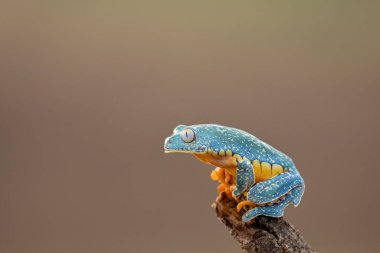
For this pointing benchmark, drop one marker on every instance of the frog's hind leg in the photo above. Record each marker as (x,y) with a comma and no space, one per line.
(275,210)
(276,187)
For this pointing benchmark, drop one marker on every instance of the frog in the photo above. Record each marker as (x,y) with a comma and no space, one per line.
(261,179)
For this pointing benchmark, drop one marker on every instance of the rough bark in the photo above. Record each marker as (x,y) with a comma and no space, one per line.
(263,234)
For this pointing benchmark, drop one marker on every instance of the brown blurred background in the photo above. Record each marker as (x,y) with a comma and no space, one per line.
(90,89)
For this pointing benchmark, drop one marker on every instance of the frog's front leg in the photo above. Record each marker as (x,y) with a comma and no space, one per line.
(245,177)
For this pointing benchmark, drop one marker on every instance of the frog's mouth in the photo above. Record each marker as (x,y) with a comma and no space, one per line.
(172,146)
(187,150)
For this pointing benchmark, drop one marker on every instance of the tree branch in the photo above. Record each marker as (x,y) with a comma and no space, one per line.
(263,234)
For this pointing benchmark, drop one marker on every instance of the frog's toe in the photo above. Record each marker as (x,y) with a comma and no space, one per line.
(272,189)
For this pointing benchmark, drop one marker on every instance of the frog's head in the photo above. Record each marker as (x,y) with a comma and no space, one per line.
(187,139)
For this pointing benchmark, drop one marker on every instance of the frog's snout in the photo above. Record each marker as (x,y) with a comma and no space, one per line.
(168,143)
(168,140)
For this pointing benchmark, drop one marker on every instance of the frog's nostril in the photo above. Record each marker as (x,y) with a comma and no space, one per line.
(168,141)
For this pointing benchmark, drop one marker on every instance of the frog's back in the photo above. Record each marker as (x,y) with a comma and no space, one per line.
(255,149)
(247,145)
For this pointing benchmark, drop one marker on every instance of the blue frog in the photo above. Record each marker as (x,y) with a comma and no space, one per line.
(261,179)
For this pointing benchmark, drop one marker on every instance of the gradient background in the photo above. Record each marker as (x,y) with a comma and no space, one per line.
(90,89)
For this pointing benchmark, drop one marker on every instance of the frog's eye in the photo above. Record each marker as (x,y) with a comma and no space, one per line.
(187,135)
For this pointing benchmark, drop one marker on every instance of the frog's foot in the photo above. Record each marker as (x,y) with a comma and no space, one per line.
(245,203)
(276,209)
(221,188)
(214,175)
(224,187)
(218,174)
(221,175)
(272,189)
